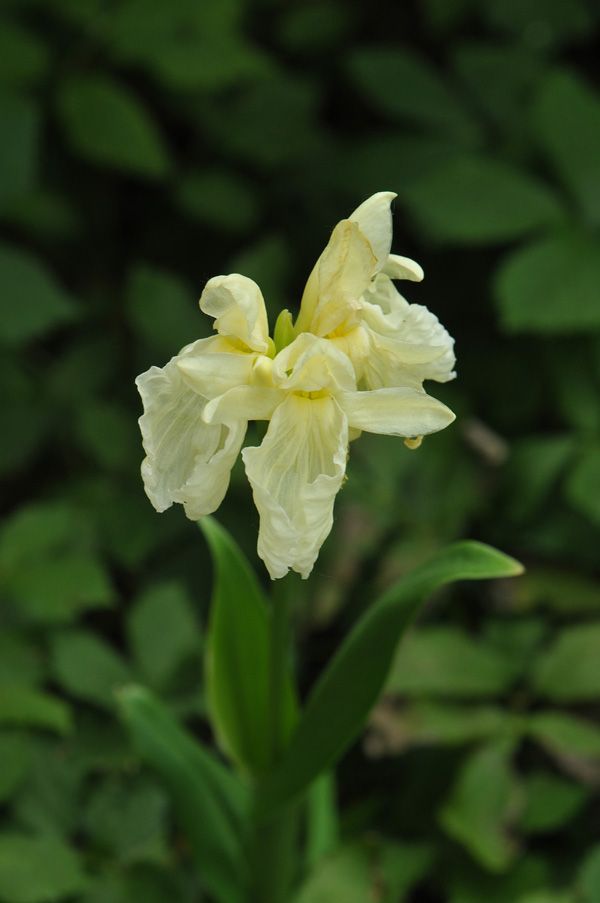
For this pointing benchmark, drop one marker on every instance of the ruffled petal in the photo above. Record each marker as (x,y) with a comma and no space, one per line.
(175,438)
(311,364)
(238,307)
(374,218)
(295,475)
(395,412)
(204,491)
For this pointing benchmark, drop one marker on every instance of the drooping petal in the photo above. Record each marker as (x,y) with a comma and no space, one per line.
(174,436)
(395,412)
(310,364)
(374,218)
(397,267)
(295,475)
(205,489)
(238,307)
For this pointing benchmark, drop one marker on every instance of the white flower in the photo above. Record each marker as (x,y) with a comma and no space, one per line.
(350,299)
(354,361)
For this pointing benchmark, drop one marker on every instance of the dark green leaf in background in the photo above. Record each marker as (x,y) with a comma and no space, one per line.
(568,670)
(14,754)
(583,483)
(567,114)
(477,200)
(551,287)
(164,310)
(33,302)
(19,144)
(402,85)
(107,124)
(543,23)
(163,632)
(550,802)
(483,804)
(22,705)
(88,667)
(38,869)
(219,199)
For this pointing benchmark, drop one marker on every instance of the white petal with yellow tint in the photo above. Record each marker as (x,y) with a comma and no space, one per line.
(205,489)
(397,267)
(346,267)
(395,412)
(295,475)
(243,402)
(311,364)
(174,436)
(213,374)
(238,307)
(374,219)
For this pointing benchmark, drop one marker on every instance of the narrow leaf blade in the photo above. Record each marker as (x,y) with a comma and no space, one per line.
(211,804)
(340,702)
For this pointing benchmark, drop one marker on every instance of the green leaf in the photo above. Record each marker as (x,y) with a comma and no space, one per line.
(107,124)
(238,656)
(219,198)
(211,804)
(88,668)
(474,200)
(14,755)
(343,696)
(402,85)
(551,286)
(344,875)
(550,802)
(322,828)
(19,143)
(546,23)
(482,806)
(565,735)
(56,590)
(33,303)
(163,309)
(38,869)
(445,661)
(21,705)
(588,879)
(23,57)
(567,117)
(130,821)
(568,671)
(50,800)
(163,631)
(583,483)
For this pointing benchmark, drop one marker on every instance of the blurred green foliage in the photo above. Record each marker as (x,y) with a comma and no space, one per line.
(145,147)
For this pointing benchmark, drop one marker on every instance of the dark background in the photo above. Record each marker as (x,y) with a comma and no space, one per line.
(146,146)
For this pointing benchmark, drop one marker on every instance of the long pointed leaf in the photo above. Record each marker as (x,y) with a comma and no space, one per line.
(343,696)
(211,804)
(238,655)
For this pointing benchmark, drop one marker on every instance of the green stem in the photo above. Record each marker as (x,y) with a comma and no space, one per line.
(273,856)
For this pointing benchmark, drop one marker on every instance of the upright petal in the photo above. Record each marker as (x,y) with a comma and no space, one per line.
(374,218)
(310,364)
(295,475)
(238,307)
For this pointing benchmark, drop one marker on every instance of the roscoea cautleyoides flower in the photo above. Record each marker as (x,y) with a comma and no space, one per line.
(315,390)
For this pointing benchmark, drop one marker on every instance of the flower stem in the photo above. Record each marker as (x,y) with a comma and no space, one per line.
(273,853)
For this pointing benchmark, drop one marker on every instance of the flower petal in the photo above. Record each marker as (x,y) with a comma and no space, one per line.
(395,412)
(176,440)
(374,218)
(295,475)
(238,306)
(212,374)
(397,267)
(311,364)
(205,490)
(243,402)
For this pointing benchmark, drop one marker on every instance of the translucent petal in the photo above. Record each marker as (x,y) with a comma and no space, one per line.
(245,403)
(374,218)
(175,439)
(205,489)
(395,412)
(346,267)
(237,304)
(295,475)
